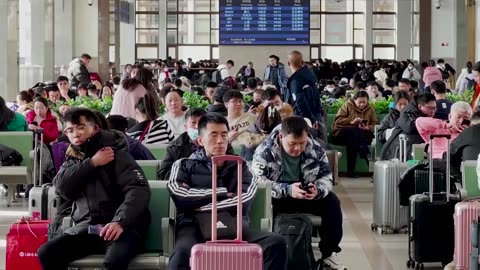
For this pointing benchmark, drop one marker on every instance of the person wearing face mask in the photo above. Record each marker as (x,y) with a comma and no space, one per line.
(94,165)
(381,74)
(411,73)
(353,127)
(185,144)
(423,106)
(163,75)
(402,99)
(328,89)
(459,119)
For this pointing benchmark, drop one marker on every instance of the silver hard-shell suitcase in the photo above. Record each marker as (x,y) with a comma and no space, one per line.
(387,212)
(42,200)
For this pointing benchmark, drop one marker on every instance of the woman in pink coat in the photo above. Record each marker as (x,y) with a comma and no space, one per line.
(431,74)
(426,126)
(130,91)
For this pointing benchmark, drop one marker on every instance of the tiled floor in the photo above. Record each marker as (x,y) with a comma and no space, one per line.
(361,248)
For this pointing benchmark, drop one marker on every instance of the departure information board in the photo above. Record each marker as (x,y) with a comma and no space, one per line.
(265,22)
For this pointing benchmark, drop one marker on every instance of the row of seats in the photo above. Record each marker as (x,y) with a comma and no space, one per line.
(161,234)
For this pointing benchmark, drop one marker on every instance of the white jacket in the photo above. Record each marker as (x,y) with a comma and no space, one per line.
(380,75)
(412,74)
(224,71)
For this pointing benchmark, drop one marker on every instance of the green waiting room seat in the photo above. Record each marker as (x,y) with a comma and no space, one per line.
(159,244)
(469,180)
(158,150)
(22,141)
(150,168)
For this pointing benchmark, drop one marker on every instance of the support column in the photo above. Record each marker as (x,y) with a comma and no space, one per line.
(64,33)
(42,50)
(104,40)
(472,7)
(404,29)
(49,59)
(368,54)
(462,39)
(162,24)
(117,36)
(425,31)
(8,49)
(127,37)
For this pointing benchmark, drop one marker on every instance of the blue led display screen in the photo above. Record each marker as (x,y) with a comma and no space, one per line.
(265,22)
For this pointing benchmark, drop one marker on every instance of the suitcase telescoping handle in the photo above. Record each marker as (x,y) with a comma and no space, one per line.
(403,147)
(215,161)
(37,167)
(430,170)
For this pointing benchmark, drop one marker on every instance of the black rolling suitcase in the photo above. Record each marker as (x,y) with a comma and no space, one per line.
(431,226)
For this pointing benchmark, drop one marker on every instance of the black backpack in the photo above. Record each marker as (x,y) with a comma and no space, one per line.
(297,229)
(10,156)
(470,84)
(217,76)
(445,74)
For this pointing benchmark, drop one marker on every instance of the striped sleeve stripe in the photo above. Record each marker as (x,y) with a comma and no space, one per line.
(232,202)
(178,190)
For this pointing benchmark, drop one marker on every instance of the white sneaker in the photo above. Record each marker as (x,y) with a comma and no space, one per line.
(450,266)
(333,262)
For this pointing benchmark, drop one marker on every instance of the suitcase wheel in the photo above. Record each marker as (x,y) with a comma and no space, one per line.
(410,264)
(373,227)
(419,266)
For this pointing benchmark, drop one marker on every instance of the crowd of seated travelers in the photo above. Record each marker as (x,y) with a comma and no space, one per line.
(282,131)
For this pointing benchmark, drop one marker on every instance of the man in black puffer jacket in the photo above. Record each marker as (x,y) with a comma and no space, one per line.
(185,145)
(110,194)
(190,187)
(466,146)
(425,106)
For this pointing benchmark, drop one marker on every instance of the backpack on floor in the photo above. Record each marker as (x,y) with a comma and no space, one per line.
(9,156)
(297,229)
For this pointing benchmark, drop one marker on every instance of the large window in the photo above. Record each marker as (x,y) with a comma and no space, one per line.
(146,29)
(337,29)
(384,30)
(192,29)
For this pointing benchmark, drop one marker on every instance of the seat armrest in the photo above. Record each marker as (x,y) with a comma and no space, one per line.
(66,223)
(266,225)
(462,193)
(168,235)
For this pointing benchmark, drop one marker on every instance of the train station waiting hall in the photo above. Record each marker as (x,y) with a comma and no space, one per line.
(239,134)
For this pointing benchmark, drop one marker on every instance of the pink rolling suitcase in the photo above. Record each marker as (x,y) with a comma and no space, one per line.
(226,254)
(465,213)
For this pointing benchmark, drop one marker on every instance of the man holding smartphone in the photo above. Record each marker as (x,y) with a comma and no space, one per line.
(302,181)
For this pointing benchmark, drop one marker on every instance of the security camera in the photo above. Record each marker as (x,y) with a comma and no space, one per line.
(438,4)
(90,2)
